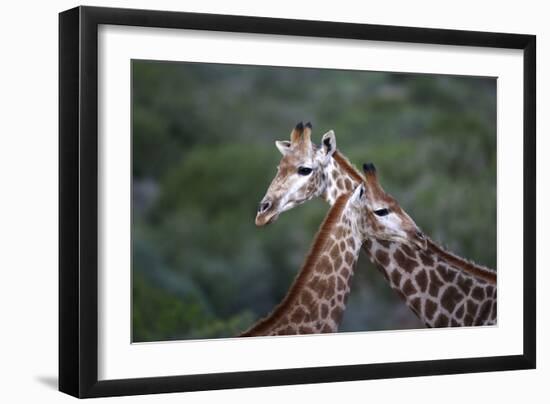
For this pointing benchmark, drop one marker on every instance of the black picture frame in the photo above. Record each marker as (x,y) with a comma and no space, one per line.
(78,200)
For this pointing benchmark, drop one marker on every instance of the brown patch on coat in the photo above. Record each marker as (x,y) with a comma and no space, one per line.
(430,308)
(408,288)
(403,261)
(336,314)
(341,284)
(306,297)
(450,298)
(345,273)
(484,312)
(331,289)
(334,252)
(298,315)
(396,277)
(471,308)
(382,257)
(441,321)
(446,273)
(426,259)
(478,293)
(319,285)
(338,262)
(324,265)
(435,284)
(465,284)
(422,280)
(460,311)
(339,232)
(324,310)
(348,184)
(416,305)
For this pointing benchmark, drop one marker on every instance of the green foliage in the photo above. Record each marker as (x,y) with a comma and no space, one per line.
(203,157)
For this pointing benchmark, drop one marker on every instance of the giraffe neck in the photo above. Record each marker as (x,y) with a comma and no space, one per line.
(341,178)
(441,289)
(317,298)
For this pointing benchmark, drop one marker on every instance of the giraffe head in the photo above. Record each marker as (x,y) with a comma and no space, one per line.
(300,173)
(384,218)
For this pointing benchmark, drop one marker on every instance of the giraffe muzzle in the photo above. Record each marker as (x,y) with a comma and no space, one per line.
(266,214)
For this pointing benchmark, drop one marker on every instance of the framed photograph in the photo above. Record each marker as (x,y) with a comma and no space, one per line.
(251,201)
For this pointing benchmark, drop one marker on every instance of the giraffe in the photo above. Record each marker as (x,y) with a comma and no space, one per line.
(441,288)
(316,300)
(307,171)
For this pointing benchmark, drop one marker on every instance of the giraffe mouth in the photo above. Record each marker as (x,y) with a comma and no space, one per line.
(263,219)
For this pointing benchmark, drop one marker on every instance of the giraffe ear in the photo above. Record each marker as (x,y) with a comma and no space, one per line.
(358,193)
(283,146)
(329,143)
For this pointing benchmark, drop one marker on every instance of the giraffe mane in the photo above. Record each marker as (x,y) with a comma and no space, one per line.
(466,265)
(347,166)
(314,254)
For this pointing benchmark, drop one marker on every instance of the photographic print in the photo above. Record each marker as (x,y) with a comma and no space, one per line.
(284,201)
(249,201)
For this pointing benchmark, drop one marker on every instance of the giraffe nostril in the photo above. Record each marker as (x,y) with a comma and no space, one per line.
(264,206)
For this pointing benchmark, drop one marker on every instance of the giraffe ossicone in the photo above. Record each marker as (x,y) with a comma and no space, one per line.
(441,288)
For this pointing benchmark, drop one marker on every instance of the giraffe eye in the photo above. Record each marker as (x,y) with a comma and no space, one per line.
(382,212)
(304,170)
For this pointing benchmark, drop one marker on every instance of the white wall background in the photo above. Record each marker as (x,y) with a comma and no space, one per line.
(28,199)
